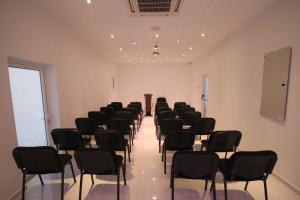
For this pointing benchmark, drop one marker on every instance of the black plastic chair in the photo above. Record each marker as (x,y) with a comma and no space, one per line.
(122,126)
(140,110)
(109,112)
(189,117)
(86,127)
(204,126)
(119,104)
(128,115)
(99,162)
(183,110)
(248,166)
(161,99)
(41,160)
(194,165)
(178,141)
(164,115)
(222,141)
(114,141)
(100,117)
(168,126)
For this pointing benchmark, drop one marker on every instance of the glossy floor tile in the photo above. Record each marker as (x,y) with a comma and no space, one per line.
(146,180)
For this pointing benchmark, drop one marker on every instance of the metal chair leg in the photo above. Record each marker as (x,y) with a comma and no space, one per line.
(214,190)
(92,177)
(128,153)
(206,181)
(41,179)
(72,169)
(165,160)
(118,184)
(266,190)
(225,189)
(62,184)
(80,186)
(246,185)
(124,172)
(23,186)
(172,186)
(125,160)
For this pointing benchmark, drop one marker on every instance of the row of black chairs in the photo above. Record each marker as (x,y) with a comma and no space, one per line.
(109,137)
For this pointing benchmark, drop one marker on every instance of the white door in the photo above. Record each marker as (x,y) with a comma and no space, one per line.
(28,104)
(204,96)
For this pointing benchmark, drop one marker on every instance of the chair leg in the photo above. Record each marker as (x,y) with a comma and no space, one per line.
(124,172)
(92,177)
(72,169)
(162,155)
(225,189)
(159,143)
(132,139)
(41,179)
(23,186)
(172,186)
(128,153)
(206,181)
(225,154)
(118,184)
(165,161)
(125,160)
(62,184)
(246,185)
(214,190)
(266,190)
(201,147)
(80,186)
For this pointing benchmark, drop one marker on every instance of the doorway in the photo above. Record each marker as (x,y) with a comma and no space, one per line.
(204,96)
(28,97)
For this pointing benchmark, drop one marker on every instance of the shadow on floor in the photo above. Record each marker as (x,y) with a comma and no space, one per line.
(107,192)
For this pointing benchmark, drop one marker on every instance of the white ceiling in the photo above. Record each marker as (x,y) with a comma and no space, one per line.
(95,22)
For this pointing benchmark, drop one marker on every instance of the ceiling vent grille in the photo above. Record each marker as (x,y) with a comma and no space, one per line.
(154,7)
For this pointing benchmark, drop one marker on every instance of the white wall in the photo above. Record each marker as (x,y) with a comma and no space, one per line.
(169,80)
(83,77)
(235,69)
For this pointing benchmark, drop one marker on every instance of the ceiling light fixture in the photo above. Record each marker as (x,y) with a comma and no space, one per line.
(155,51)
(89,1)
(112,36)
(156,35)
(120,49)
(134,43)
(203,35)
(183,55)
(178,41)
(191,48)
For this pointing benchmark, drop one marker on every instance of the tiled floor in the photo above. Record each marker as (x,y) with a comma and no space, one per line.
(146,180)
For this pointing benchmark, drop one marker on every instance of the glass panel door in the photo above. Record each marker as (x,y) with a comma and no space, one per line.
(28,104)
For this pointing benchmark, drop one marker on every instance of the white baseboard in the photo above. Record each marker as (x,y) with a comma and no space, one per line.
(16,195)
(286,183)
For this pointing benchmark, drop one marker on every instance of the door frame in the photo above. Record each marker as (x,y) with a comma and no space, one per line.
(16,63)
(203,97)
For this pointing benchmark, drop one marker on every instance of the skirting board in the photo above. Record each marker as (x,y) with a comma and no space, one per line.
(16,195)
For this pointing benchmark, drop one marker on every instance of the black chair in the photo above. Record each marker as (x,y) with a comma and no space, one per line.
(41,160)
(114,141)
(194,165)
(99,162)
(190,116)
(129,115)
(178,104)
(162,114)
(203,126)
(248,166)
(182,110)
(122,126)
(178,141)
(109,112)
(168,126)
(139,108)
(222,141)
(100,117)
(119,104)
(158,110)
(161,99)
(87,127)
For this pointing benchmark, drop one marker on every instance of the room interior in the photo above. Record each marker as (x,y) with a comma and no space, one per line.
(95,52)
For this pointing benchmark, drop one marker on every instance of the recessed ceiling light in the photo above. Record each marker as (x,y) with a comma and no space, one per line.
(178,41)
(183,55)
(89,1)
(156,35)
(203,35)
(154,197)
(191,48)
(126,55)
(112,36)
(121,49)
(134,43)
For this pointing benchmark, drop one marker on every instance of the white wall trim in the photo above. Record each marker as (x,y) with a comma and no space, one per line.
(286,183)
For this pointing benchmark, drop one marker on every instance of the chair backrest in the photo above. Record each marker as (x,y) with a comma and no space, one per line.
(118,104)
(178,104)
(86,126)
(181,110)
(100,117)
(109,139)
(204,126)
(67,139)
(96,161)
(136,103)
(136,106)
(170,126)
(161,99)
(165,115)
(224,141)
(190,116)
(109,111)
(249,165)
(195,164)
(134,110)
(37,160)
(124,115)
(121,125)
(180,140)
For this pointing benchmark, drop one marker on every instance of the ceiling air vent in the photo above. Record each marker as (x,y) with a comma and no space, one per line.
(154,7)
